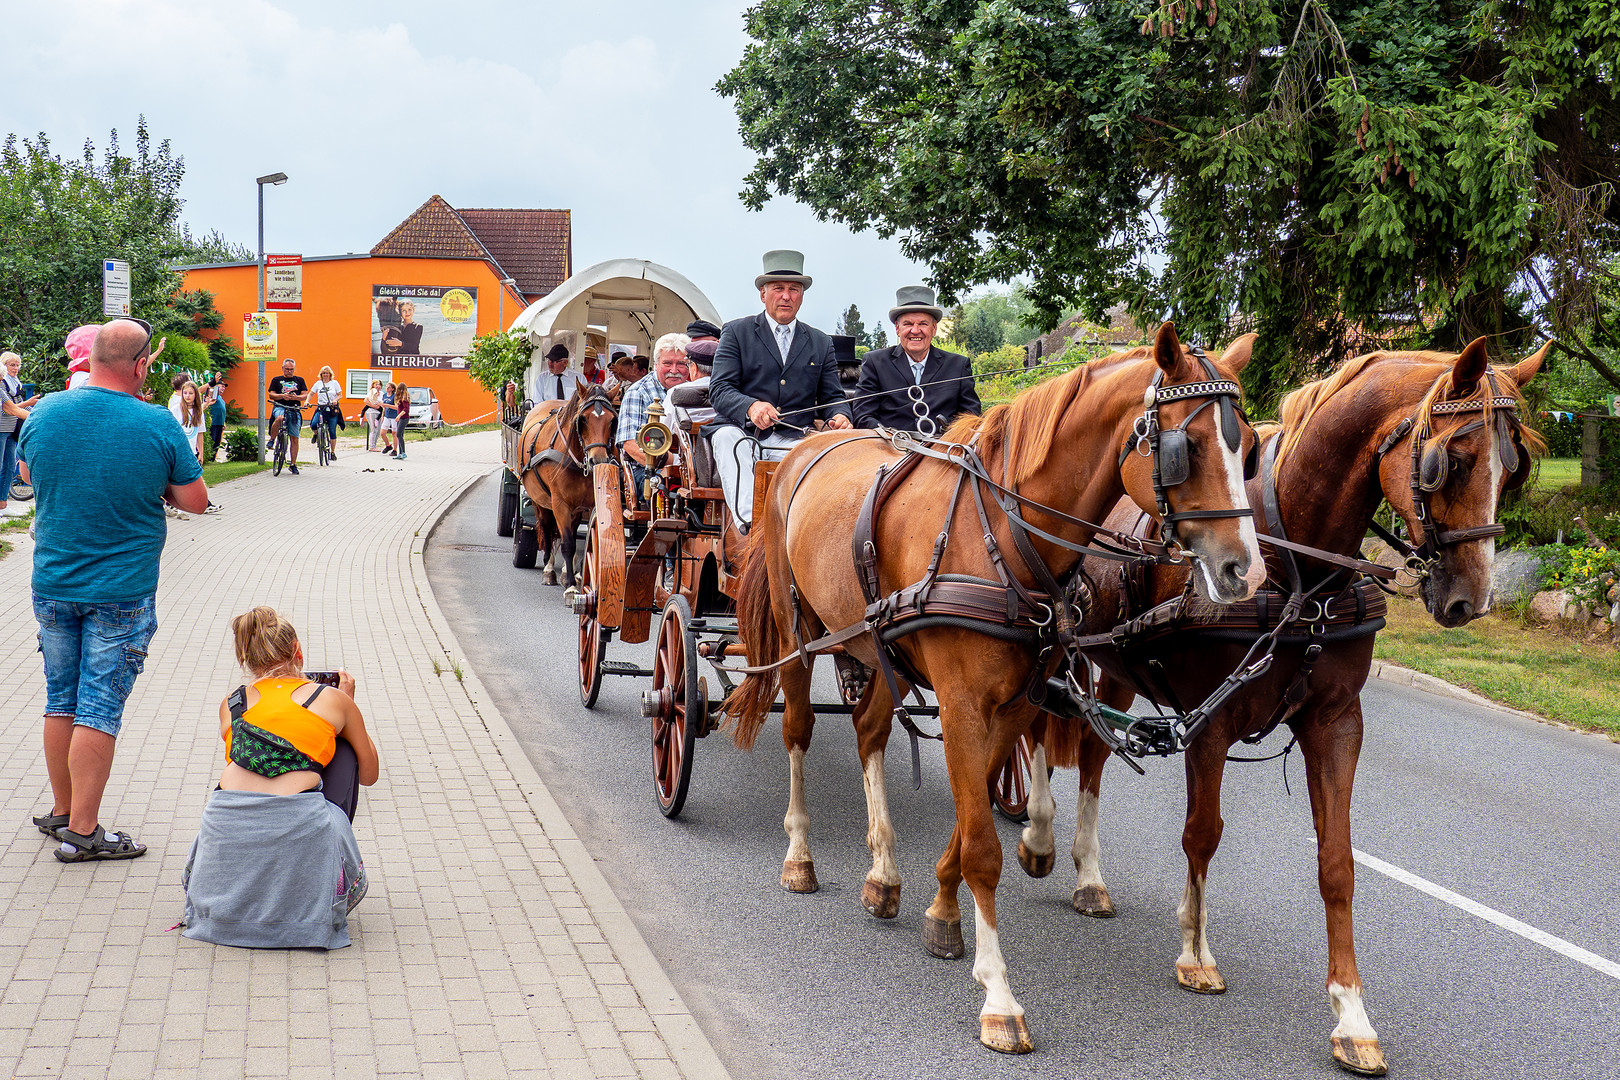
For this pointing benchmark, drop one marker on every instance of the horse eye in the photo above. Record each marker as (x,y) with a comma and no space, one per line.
(1457,469)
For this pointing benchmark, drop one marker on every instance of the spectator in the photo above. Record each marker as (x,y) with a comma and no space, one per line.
(275,864)
(402,402)
(390,418)
(94,589)
(372,414)
(78,350)
(13,411)
(216,415)
(176,381)
(191,417)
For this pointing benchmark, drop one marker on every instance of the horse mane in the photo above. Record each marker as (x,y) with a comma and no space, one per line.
(1301,406)
(1023,429)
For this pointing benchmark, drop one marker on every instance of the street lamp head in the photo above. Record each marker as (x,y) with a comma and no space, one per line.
(277,178)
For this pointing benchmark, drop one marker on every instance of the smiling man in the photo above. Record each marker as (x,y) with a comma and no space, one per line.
(773,377)
(945,379)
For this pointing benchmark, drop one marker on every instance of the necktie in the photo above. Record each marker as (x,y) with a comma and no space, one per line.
(559,388)
(782,333)
(916,372)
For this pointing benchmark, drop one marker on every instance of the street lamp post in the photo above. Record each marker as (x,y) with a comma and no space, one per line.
(276,179)
(501,321)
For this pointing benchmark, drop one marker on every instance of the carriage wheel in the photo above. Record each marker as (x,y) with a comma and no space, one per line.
(678,705)
(525,545)
(506,504)
(592,635)
(1009,788)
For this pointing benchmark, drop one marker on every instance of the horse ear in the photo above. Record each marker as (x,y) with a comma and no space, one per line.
(1237,355)
(1469,368)
(1167,348)
(1526,369)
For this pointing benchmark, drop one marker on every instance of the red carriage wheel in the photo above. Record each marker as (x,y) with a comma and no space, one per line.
(677,704)
(593,636)
(1009,789)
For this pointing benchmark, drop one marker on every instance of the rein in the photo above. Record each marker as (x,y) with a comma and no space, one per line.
(596,400)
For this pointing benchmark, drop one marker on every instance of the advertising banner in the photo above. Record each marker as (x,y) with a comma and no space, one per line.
(283,282)
(422,327)
(259,335)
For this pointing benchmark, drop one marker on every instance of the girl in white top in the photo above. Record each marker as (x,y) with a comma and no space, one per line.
(327,395)
(373,414)
(193,420)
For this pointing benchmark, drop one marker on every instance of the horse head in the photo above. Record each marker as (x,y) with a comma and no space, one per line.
(1468,449)
(1184,463)
(592,423)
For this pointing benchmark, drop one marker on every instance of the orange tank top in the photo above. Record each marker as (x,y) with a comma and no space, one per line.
(277,713)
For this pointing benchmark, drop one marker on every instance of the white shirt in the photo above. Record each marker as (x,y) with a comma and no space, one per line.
(784,336)
(545,384)
(329,392)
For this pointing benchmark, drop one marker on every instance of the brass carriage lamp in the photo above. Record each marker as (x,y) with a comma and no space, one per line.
(654,436)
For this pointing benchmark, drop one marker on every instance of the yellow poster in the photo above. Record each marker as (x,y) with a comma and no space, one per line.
(259,335)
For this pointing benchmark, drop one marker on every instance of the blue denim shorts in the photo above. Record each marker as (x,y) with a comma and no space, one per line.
(292,419)
(92,654)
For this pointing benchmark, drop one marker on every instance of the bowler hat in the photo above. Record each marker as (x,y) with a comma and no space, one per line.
(915,298)
(558,351)
(783,265)
(702,328)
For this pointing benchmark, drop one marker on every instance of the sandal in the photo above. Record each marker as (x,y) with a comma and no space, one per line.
(52,824)
(98,846)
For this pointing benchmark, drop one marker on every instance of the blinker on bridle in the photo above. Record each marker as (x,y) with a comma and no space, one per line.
(1169,447)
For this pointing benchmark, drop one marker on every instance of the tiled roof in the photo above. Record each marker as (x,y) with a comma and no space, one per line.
(535,247)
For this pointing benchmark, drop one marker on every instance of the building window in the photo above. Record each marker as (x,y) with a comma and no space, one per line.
(360,380)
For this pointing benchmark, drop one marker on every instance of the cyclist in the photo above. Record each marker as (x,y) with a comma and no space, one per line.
(327,397)
(287,393)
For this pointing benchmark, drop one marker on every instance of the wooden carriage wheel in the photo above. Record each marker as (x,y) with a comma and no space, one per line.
(593,635)
(677,704)
(1009,788)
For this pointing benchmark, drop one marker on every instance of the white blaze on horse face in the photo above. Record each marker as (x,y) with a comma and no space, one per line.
(1488,546)
(1042,807)
(797,821)
(990,969)
(1193,914)
(1233,460)
(879,830)
(1348,1007)
(1087,852)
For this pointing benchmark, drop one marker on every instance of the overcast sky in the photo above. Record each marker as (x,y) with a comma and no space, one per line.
(605,107)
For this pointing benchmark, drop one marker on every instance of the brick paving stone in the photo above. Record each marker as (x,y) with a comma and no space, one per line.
(474,955)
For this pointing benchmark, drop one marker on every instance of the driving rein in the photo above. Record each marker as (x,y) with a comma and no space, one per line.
(594,402)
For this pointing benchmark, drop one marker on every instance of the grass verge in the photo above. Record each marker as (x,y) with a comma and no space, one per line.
(217,472)
(1556,474)
(1547,669)
(415,435)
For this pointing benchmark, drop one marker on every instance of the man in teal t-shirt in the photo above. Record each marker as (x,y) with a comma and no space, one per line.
(102,462)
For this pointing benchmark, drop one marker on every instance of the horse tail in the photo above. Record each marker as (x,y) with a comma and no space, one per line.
(1062,740)
(747,705)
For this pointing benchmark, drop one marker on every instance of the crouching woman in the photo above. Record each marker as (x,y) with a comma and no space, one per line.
(275,864)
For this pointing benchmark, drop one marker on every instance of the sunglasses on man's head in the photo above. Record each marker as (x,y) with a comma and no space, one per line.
(144,325)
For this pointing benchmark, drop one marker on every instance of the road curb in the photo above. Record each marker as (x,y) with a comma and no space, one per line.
(690,1048)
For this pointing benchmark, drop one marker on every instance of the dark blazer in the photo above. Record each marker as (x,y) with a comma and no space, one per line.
(748,368)
(890,370)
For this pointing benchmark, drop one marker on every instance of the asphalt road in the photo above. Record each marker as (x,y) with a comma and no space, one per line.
(1514,815)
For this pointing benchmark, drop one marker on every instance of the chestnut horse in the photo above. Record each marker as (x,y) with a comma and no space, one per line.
(560,443)
(1345,444)
(1057,445)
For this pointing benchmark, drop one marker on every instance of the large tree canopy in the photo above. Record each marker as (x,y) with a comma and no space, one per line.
(1327,170)
(61,217)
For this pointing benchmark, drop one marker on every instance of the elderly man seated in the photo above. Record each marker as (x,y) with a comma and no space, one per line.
(670,368)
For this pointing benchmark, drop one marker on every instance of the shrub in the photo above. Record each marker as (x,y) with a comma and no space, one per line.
(1563,436)
(1585,573)
(242,444)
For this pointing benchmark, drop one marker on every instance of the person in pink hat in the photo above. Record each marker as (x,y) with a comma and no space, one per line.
(78,350)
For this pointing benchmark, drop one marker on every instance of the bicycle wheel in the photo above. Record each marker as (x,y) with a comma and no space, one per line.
(279,455)
(323,445)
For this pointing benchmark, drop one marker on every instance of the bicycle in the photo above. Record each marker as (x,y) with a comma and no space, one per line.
(279,444)
(322,437)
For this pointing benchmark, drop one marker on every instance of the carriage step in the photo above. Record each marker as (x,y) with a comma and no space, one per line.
(623,667)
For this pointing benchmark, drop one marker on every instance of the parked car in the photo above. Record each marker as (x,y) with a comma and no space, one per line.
(424,408)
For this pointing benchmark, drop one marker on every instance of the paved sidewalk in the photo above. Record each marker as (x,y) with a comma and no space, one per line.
(489,945)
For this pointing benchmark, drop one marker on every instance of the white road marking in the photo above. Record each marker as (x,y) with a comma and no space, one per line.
(1490,915)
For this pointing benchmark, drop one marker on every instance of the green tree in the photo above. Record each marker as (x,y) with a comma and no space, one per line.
(984,334)
(1332,170)
(877,338)
(498,358)
(61,217)
(851,324)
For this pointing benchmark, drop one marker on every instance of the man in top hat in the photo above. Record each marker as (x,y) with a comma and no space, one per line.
(883,397)
(557,382)
(773,377)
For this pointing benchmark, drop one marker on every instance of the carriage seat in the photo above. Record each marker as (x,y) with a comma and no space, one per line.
(691,395)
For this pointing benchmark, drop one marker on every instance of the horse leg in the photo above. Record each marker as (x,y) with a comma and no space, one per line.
(1037,847)
(1090,891)
(1330,752)
(544,535)
(1195,967)
(873,719)
(568,538)
(798,722)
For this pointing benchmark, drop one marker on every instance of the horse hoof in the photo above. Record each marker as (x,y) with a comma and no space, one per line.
(1005,1034)
(1093,900)
(1200,980)
(1036,866)
(799,875)
(883,901)
(548,578)
(943,939)
(1360,1056)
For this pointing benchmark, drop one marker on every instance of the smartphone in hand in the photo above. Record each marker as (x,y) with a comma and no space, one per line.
(325,678)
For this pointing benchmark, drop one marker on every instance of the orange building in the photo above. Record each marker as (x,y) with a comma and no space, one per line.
(407,310)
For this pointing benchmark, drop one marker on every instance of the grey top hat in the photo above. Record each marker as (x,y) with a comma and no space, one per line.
(915,298)
(784,265)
